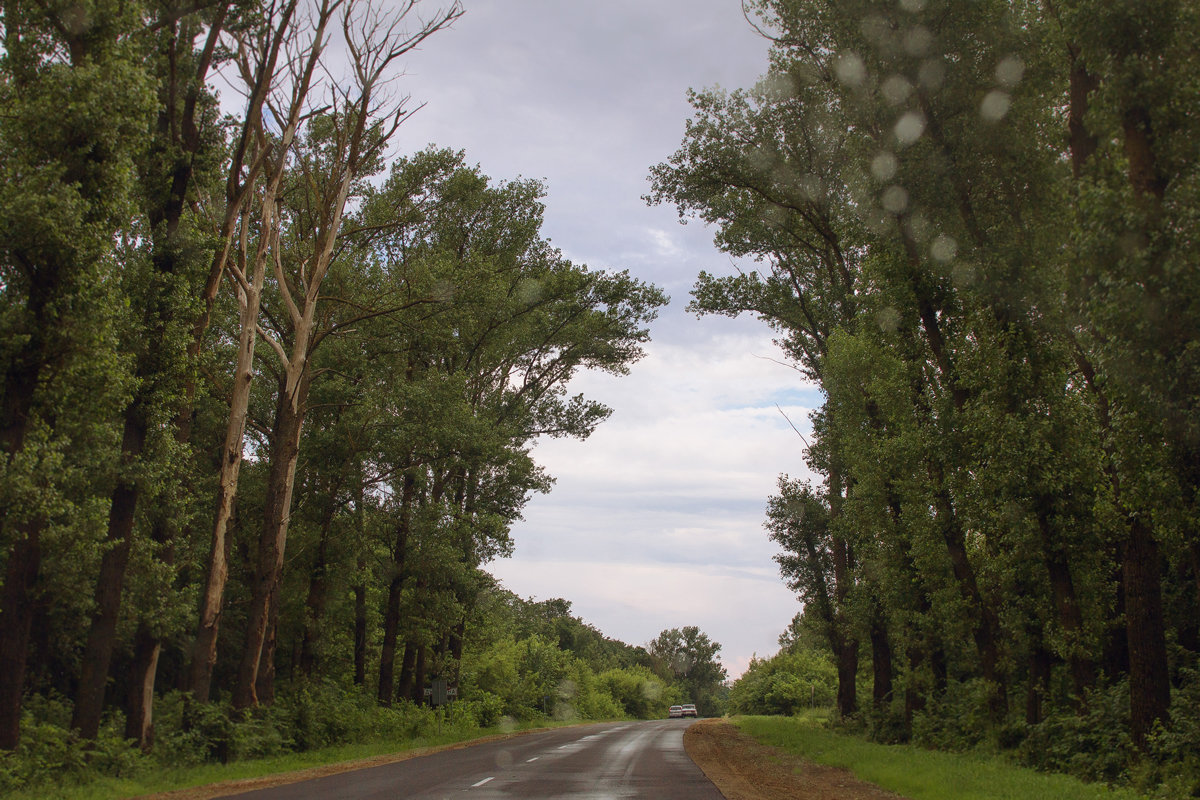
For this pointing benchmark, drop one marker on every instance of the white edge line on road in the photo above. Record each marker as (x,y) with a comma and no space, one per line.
(535,758)
(482,782)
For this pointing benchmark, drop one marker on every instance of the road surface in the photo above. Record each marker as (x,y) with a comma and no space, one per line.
(606,761)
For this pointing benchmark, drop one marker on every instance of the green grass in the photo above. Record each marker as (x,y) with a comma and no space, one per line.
(150,780)
(922,774)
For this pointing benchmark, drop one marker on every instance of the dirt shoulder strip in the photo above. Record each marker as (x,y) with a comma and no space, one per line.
(743,769)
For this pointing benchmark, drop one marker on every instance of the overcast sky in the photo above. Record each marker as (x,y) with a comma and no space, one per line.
(655,521)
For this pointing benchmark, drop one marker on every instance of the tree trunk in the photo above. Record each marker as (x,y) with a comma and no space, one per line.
(387,653)
(986,623)
(881,660)
(285,452)
(314,602)
(139,721)
(391,619)
(264,683)
(418,688)
(1116,643)
(846,644)
(1070,617)
(360,629)
(16,622)
(407,667)
(21,380)
(204,649)
(1149,679)
(1039,682)
(97,653)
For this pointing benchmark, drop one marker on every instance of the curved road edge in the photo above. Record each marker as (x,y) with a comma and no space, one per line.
(238,786)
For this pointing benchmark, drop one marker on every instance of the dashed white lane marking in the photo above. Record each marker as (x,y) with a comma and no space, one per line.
(535,758)
(482,782)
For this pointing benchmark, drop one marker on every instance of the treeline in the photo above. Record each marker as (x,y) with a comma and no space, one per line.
(268,392)
(978,224)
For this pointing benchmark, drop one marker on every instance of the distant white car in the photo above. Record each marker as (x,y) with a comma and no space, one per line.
(674,712)
(688,710)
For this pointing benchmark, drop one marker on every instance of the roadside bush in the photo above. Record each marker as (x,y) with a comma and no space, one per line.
(785,684)
(639,692)
(484,710)
(1174,770)
(50,752)
(956,721)
(1093,746)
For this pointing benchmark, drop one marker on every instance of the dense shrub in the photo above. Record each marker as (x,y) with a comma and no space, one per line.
(639,692)
(955,721)
(1093,745)
(785,684)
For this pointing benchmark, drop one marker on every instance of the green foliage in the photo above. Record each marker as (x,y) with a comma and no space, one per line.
(638,692)
(971,222)
(785,684)
(687,658)
(50,752)
(1093,746)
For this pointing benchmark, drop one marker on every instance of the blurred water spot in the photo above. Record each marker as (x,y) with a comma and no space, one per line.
(850,69)
(995,106)
(909,127)
(944,248)
(884,165)
(1010,71)
(896,89)
(917,40)
(888,319)
(895,199)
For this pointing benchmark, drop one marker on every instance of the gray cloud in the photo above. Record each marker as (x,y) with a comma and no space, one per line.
(656,521)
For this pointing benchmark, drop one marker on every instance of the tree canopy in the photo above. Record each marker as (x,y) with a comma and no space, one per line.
(975,224)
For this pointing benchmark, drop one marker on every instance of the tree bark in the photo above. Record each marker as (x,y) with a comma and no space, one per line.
(360,629)
(391,619)
(314,601)
(408,666)
(285,453)
(16,622)
(204,648)
(881,660)
(1149,678)
(1070,617)
(139,715)
(102,634)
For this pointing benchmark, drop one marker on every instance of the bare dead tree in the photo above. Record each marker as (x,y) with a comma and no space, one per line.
(364,114)
(285,94)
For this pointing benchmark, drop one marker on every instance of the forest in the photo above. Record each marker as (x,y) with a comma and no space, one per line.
(974,226)
(269,392)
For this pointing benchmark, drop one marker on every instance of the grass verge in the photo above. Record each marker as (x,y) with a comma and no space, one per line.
(156,780)
(922,774)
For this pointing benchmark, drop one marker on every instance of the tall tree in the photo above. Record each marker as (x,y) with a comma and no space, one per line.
(78,99)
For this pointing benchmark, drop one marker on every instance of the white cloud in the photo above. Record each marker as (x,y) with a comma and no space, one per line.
(673,485)
(656,520)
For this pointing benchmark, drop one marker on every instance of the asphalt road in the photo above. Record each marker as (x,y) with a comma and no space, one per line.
(595,762)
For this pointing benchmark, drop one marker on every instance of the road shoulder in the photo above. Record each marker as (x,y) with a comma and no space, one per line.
(743,769)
